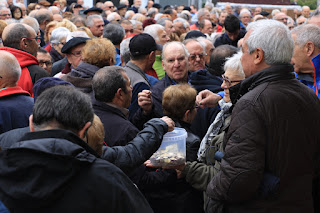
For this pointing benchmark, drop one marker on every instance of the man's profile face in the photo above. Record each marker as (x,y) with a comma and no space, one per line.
(97,27)
(207,27)
(299,60)
(179,28)
(247,58)
(5,13)
(222,17)
(175,63)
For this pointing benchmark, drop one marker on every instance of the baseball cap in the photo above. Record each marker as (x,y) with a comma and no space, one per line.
(143,44)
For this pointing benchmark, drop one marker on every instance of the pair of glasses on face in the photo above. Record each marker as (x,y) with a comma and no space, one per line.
(47,63)
(76,54)
(37,39)
(194,56)
(228,81)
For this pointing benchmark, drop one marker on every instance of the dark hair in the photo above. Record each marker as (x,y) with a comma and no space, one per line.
(14,36)
(218,58)
(64,106)
(13,8)
(107,81)
(232,23)
(138,57)
(41,17)
(114,32)
(41,50)
(202,23)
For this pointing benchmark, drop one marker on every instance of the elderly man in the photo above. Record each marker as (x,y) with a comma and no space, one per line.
(111,102)
(315,18)
(305,11)
(273,113)
(127,26)
(108,5)
(57,146)
(160,36)
(5,13)
(306,56)
(15,103)
(205,26)
(143,53)
(114,17)
(281,17)
(203,13)
(22,41)
(197,54)
(115,33)
(43,17)
(180,26)
(301,20)
(95,24)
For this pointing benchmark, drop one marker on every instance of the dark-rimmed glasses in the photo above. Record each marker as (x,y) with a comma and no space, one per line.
(194,56)
(76,54)
(37,39)
(228,82)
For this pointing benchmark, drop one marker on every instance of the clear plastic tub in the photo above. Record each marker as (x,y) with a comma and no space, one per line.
(172,151)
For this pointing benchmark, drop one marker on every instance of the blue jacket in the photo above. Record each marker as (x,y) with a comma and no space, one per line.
(312,82)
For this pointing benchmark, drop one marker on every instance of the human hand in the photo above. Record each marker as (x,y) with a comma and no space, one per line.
(169,122)
(206,98)
(145,101)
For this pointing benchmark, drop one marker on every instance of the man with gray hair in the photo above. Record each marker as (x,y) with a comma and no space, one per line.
(197,54)
(180,26)
(15,103)
(22,41)
(115,33)
(95,24)
(315,18)
(5,13)
(306,56)
(43,17)
(273,114)
(203,13)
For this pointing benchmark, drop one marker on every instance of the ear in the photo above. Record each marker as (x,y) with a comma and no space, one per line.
(309,48)
(164,69)
(23,43)
(186,116)
(258,56)
(81,133)
(31,125)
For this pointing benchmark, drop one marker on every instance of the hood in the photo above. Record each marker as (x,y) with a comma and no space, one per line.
(25,175)
(24,58)
(12,91)
(202,79)
(84,70)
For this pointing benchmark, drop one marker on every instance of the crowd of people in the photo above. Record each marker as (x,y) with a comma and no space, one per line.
(87,94)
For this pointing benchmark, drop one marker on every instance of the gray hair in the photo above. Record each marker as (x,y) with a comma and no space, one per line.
(315,13)
(184,22)
(114,32)
(152,11)
(174,43)
(305,33)
(274,12)
(126,16)
(135,23)
(141,9)
(77,34)
(234,64)
(52,8)
(10,65)
(202,44)
(90,19)
(277,46)
(112,15)
(243,12)
(201,12)
(162,21)
(32,22)
(125,50)
(153,30)
(58,34)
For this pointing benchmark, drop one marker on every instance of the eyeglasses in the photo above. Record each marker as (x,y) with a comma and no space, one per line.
(118,20)
(47,63)
(110,6)
(228,82)
(37,39)
(63,43)
(194,56)
(6,14)
(129,31)
(76,54)
(282,19)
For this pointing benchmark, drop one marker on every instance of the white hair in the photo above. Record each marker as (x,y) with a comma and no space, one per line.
(153,30)
(32,22)
(124,50)
(166,45)
(233,64)
(274,12)
(243,11)
(128,13)
(157,16)
(90,19)
(277,46)
(135,23)
(305,33)
(112,16)
(184,22)
(77,34)
(58,34)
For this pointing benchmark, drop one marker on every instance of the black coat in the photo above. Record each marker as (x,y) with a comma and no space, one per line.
(224,39)
(55,171)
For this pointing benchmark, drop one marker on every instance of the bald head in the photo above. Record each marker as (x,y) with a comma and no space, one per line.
(10,70)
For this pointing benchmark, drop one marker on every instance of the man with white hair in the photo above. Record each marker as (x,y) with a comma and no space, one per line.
(245,17)
(203,13)
(273,114)
(315,18)
(95,24)
(281,17)
(15,103)
(180,26)
(114,17)
(5,13)
(305,11)
(306,56)
(196,54)
(160,36)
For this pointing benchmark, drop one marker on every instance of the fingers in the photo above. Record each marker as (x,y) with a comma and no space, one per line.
(169,122)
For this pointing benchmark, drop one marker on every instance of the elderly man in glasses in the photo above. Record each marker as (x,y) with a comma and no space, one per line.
(197,54)
(22,41)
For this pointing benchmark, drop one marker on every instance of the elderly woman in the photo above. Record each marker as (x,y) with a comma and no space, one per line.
(97,53)
(57,40)
(198,175)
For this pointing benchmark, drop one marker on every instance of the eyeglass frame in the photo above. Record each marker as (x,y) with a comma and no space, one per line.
(76,54)
(227,80)
(194,56)
(37,39)
(48,63)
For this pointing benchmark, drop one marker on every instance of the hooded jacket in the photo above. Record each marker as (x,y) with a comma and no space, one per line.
(30,69)
(55,171)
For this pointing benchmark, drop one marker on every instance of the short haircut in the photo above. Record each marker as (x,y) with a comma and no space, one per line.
(203,23)
(184,22)
(202,12)
(162,21)
(78,19)
(91,18)
(112,16)
(305,33)
(232,23)
(107,81)
(44,51)
(277,46)
(243,11)
(218,58)
(234,64)
(174,43)
(153,30)
(99,52)
(42,16)
(32,22)
(58,34)
(125,50)
(177,99)
(63,106)
(114,32)
(202,44)
(14,36)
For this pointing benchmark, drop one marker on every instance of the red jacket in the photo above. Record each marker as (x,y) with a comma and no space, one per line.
(30,69)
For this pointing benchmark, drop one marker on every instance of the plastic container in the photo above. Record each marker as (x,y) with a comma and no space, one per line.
(172,151)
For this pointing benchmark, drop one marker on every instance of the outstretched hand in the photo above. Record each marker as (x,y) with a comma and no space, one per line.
(206,98)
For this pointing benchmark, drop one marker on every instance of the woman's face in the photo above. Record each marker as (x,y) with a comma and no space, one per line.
(230,78)
(17,14)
